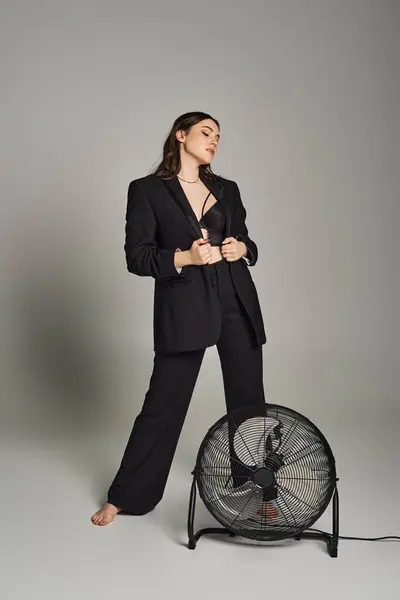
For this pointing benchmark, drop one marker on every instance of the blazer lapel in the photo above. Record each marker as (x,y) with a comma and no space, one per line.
(215,187)
(176,191)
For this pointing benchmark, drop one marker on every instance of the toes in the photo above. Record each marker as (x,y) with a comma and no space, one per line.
(96,518)
(103,517)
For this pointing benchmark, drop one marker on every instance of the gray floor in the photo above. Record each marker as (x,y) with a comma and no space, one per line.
(50,549)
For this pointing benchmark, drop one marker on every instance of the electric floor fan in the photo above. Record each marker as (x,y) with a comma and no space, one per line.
(265,473)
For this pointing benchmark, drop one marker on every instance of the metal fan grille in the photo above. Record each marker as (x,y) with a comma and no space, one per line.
(265,472)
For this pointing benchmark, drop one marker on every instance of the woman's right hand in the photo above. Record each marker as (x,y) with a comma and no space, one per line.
(200,252)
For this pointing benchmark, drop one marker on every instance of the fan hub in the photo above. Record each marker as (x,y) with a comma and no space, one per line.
(263,477)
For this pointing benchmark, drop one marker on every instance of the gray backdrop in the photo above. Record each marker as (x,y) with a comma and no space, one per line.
(307,94)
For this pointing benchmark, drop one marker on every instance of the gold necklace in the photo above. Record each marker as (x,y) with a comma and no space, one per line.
(187,181)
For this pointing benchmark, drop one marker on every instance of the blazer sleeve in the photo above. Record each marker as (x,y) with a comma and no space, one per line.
(240,231)
(143,256)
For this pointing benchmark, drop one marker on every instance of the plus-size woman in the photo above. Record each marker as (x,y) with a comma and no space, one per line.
(185,227)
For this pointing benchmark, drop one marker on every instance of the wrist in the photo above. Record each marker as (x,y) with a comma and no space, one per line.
(188,257)
(182,258)
(244,249)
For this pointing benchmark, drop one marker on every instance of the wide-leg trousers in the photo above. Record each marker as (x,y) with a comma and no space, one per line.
(142,476)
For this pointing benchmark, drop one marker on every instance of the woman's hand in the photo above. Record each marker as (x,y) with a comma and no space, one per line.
(232,249)
(200,252)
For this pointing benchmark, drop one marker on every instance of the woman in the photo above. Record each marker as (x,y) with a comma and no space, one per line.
(185,227)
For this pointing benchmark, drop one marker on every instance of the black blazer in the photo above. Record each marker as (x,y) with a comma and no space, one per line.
(160,219)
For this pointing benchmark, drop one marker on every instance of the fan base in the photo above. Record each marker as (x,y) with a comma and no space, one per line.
(331,540)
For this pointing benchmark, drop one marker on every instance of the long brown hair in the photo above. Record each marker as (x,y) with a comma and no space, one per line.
(171,161)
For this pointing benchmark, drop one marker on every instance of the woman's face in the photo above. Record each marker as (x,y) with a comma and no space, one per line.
(201,141)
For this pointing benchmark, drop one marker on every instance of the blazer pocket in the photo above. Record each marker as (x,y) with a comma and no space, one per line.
(174,281)
(178,282)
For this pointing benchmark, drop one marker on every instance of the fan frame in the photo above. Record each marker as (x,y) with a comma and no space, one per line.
(331,539)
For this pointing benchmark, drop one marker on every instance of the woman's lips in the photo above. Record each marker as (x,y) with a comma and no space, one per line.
(210,151)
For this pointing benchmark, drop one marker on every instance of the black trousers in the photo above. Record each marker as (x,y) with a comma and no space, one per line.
(142,476)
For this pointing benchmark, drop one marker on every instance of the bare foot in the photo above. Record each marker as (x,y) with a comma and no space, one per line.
(105,515)
(268,510)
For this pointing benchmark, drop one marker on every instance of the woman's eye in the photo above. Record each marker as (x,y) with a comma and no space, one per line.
(205,133)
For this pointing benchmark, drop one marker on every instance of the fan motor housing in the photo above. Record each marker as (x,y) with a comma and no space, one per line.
(263,477)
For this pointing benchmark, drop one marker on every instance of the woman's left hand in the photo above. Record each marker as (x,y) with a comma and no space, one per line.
(233,250)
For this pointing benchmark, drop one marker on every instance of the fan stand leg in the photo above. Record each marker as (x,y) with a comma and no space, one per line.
(333,540)
(192,506)
(194,537)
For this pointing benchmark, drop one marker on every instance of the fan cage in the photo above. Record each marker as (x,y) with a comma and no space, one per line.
(265,473)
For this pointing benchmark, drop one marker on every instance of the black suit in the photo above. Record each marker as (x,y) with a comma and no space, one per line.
(201,306)
(159,220)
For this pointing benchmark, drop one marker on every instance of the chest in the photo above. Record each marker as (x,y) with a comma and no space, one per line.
(199,197)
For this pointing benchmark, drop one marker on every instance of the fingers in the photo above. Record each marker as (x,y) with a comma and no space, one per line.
(201,241)
(229,257)
(203,250)
(229,249)
(205,253)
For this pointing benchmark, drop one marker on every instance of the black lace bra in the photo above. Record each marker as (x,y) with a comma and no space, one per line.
(214,221)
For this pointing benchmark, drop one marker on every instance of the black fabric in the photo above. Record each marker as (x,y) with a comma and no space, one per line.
(140,481)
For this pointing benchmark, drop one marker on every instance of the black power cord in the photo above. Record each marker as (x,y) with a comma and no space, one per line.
(344,537)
